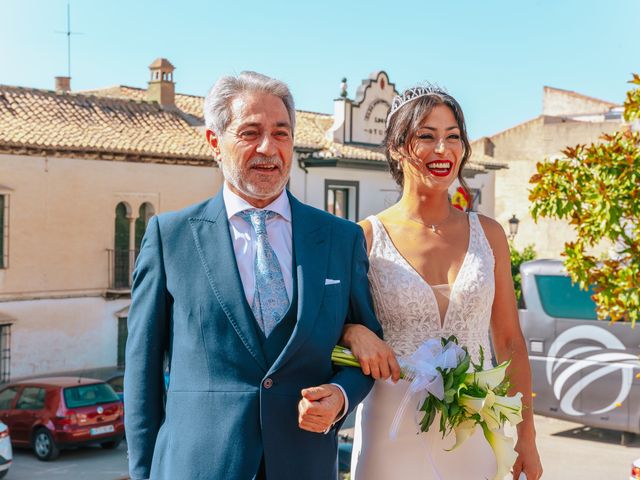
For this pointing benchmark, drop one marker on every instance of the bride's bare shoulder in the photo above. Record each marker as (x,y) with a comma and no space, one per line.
(367,228)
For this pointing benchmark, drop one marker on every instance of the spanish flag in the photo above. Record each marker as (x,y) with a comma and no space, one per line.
(461,199)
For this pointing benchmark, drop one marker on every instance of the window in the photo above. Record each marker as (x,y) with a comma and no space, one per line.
(4,231)
(87,395)
(121,253)
(32,398)
(6,397)
(5,352)
(122,339)
(144,215)
(341,198)
(561,299)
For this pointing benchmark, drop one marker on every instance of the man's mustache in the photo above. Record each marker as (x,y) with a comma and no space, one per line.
(260,160)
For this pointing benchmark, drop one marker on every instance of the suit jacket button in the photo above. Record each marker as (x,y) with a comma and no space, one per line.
(268,383)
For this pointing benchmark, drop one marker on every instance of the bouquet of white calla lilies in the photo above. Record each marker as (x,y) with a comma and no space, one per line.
(439,371)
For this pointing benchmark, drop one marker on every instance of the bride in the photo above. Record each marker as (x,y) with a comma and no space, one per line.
(434,271)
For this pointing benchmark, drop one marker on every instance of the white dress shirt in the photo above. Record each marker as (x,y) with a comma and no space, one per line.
(244,240)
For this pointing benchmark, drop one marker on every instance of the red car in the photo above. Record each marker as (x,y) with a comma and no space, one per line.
(49,414)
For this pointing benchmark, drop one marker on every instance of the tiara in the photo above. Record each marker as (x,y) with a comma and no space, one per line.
(412,94)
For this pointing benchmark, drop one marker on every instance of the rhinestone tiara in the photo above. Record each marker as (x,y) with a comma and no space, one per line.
(412,94)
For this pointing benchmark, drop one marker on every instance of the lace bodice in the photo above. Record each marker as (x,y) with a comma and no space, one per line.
(406,305)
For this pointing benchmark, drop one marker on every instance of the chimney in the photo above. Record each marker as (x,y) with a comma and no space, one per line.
(63,84)
(162,89)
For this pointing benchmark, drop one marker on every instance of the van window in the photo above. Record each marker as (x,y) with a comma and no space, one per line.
(561,299)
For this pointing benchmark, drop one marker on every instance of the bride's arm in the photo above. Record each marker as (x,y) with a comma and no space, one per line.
(509,343)
(375,356)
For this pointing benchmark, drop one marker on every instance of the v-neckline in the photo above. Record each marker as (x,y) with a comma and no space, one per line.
(442,320)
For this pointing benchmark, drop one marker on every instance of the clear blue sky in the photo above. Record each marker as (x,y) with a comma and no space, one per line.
(494,56)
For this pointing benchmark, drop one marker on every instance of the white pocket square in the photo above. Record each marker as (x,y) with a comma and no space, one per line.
(331,281)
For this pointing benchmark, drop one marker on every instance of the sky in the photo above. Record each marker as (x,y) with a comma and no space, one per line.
(494,56)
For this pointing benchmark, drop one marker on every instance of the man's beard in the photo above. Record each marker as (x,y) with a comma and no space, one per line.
(233,174)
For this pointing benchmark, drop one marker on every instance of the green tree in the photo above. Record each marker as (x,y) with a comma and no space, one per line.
(596,188)
(517,259)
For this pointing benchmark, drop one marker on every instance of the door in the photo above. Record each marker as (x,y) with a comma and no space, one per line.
(28,409)
(7,403)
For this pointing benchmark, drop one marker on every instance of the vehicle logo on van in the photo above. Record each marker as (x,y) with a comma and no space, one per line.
(597,354)
(100,410)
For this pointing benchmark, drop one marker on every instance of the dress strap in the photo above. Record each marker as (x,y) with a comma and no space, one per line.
(378,232)
(478,240)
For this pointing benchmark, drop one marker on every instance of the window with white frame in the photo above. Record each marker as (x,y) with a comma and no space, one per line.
(341,198)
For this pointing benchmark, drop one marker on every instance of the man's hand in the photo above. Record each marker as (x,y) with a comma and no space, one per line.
(319,407)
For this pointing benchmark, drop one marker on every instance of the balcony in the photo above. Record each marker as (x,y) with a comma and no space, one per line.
(120,264)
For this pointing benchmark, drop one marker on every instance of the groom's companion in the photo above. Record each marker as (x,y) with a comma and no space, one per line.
(242,297)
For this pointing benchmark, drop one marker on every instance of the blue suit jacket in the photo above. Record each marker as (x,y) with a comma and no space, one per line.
(219,418)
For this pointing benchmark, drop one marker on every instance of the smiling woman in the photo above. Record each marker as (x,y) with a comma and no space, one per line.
(434,272)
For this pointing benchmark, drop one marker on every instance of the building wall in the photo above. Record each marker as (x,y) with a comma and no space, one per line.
(521,148)
(377,189)
(62,221)
(62,214)
(562,102)
(58,335)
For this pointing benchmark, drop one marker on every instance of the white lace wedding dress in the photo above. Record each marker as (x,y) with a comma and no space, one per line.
(410,311)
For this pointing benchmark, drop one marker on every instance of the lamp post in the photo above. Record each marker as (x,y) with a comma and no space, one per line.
(513,227)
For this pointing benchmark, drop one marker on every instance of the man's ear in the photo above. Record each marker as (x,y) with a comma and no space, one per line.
(212,140)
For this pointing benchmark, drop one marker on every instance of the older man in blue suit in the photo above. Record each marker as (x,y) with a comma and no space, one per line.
(244,295)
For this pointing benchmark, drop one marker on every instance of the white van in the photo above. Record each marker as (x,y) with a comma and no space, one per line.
(584,370)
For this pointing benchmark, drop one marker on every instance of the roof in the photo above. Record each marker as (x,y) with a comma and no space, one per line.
(162,63)
(118,123)
(581,96)
(43,121)
(310,134)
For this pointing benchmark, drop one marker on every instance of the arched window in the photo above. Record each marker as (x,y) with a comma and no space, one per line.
(121,255)
(144,215)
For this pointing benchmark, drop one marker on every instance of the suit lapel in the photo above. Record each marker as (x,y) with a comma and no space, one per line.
(213,242)
(311,248)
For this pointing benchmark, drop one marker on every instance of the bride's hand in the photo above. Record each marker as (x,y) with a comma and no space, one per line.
(375,356)
(528,460)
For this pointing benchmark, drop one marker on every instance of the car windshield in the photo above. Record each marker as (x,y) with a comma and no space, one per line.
(86,395)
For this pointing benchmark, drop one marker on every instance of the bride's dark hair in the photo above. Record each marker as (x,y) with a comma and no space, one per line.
(404,122)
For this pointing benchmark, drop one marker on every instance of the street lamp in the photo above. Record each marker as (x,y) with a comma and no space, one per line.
(513,226)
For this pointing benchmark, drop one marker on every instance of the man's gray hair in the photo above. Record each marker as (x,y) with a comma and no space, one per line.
(217,105)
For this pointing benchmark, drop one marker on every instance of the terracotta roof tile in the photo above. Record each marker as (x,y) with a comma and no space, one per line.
(118,119)
(48,120)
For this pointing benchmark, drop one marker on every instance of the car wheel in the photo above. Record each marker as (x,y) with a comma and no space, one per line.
(44,446)
(4,473)
(112,444)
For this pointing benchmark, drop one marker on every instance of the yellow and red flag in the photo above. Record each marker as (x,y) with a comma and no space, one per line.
(461,199)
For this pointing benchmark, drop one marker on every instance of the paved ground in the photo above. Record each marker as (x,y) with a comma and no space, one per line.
(90,463)
(569,452)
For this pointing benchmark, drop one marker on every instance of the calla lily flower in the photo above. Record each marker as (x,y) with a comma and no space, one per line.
(463,431)
(502,447)
(488,379)
(510,407)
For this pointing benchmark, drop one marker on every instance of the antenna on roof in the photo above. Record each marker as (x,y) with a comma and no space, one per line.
(68,33)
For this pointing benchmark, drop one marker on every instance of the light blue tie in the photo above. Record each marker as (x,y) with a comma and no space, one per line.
(270,301)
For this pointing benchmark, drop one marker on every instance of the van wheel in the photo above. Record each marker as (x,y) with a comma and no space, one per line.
(626,438)
(4,473)
(112,444)
(44,445)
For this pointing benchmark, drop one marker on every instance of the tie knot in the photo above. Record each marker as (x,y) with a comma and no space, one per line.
(257,219)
